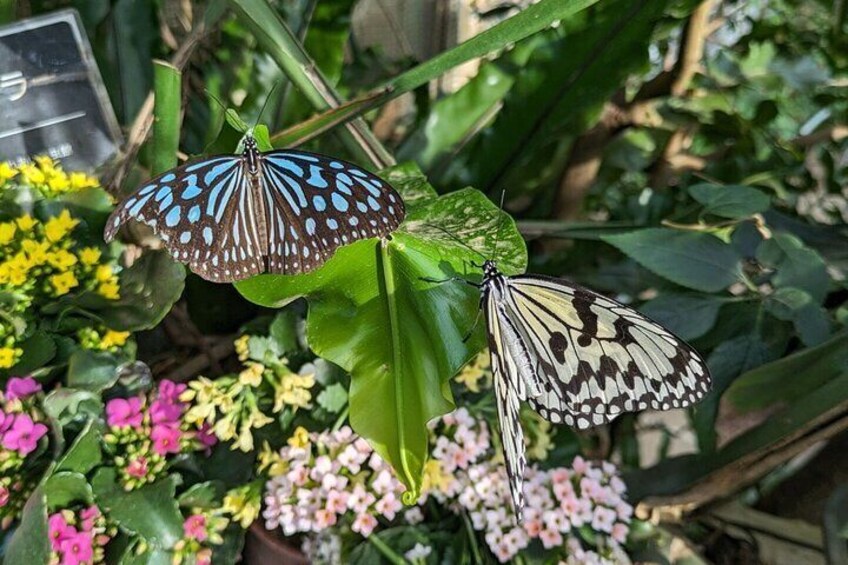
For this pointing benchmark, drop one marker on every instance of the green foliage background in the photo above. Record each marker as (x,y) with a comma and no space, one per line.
(687,157)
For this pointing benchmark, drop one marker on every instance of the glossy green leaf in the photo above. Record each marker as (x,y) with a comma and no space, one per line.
(167,89)
(29,543)
(791,377)
(730,201)
(797,306)
(149,288)
(688,316)
(695,260)
(150,511)
(39,349)
(795,265)
(726,362)
(65,488)
(333,398)
(94,371)
(372,312)
(205,495)
(84,454)
(67,404)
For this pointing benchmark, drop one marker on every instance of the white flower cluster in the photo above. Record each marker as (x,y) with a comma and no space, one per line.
(333,475)
(337,476)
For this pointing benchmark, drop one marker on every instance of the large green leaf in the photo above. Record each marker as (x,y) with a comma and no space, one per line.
(29,543)
(790,377)
(148,290)
(400,336)
(692,259)
(94,371)
(731,201)
(688,316)
(84,454)
(64,488)
(797,306)
(795,264)
(150,511)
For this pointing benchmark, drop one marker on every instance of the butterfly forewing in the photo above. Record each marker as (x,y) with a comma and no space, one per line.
(288,215)
(579,358)
(598,358)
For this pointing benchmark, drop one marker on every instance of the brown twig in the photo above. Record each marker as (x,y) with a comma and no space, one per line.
(140,128)
(586,154)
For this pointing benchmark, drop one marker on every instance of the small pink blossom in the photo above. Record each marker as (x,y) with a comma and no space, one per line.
(124,412)
(164,412)
(77,549)
(364,524)
(325,519)
(137,467)
(550,538)
(205,435)
(166,439)
(18,387)
(88,516)
(619,532)
(170,391)
(58,530)
(603,519)
(194,527)
(388,506)
(6,421)
(24,435)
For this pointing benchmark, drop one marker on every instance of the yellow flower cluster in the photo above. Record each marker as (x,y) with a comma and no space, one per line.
(231,404)
(46,176)
(103,340)
(43,258)
(476,373)
(243,503)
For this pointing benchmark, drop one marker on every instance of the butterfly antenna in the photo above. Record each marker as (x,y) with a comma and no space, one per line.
(265,104)
(216,99)
(501,216)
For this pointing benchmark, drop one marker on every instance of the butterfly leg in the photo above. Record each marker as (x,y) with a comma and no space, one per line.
(474,325)
(451,279)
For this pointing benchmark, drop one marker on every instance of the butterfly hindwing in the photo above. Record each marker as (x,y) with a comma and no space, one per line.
(285,212)
(597,358)
(205,213)
(317,204)
(506,387)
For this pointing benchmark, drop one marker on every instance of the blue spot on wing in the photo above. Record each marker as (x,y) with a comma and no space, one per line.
(173,217)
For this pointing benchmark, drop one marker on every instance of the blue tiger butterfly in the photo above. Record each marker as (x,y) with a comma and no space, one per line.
(285,212)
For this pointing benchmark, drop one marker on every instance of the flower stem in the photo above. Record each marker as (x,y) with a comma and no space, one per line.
(387,551)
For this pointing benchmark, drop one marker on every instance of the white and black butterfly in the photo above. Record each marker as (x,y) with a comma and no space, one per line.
(233,216)
(578,358)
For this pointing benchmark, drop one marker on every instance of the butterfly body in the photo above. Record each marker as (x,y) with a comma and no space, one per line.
(286,212)
(578,358)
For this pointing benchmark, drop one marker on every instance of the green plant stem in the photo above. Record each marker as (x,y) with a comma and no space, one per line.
(167,88)
(8,8)
(472,538)
(387,551)
(342,417)
(276,37)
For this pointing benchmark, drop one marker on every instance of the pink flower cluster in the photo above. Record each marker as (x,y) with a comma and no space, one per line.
(18,431)
(336,475)
(21,429)
(144,431)
(77,538)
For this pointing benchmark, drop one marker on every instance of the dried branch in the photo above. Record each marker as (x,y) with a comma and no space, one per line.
(140,129)
(586,155)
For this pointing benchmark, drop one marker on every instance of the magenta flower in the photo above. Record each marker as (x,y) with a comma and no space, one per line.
(164,412)
(205,436)
(137,467)
(21,387)
(24,435)
(170,391)
(6,421)
(77,549)
(59,531)
(194,527)
(88,516)
(4,496)
(123,413)
(166,439)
